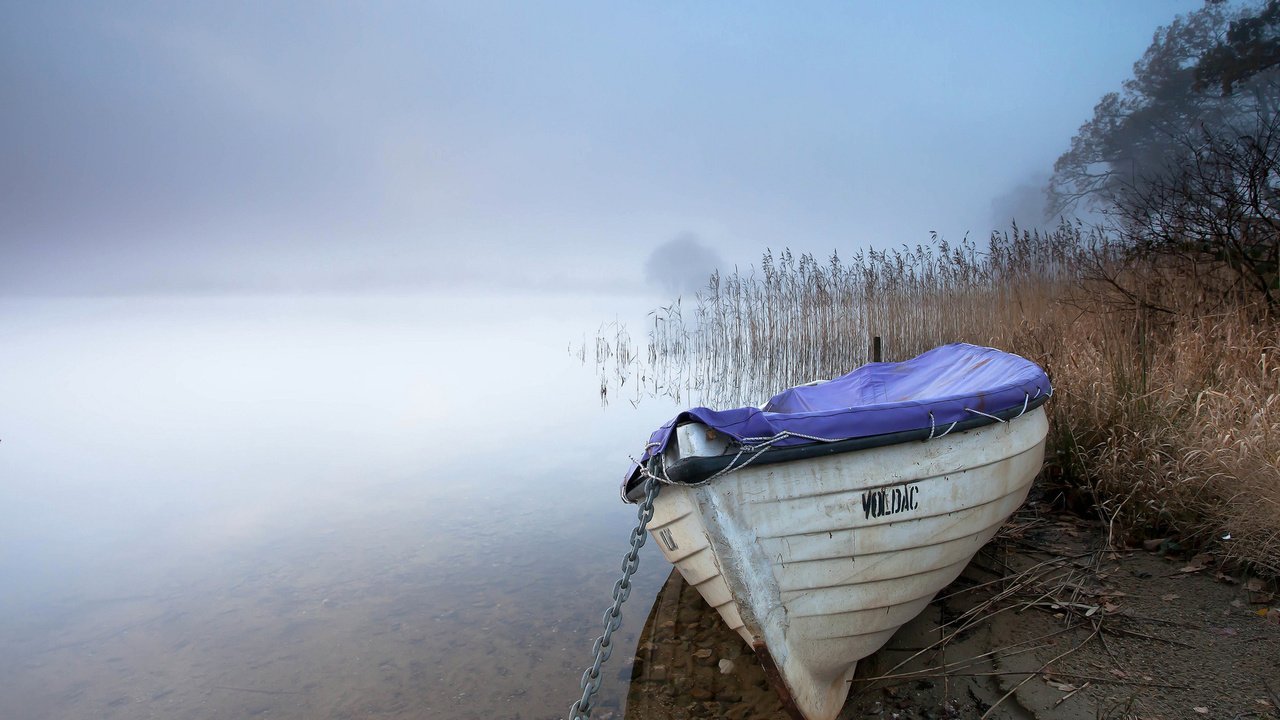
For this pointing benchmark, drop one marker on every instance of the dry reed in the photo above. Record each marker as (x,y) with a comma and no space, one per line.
(1166,415)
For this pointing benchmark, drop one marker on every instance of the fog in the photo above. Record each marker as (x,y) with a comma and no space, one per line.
(229,492)
(291,297)
(148,434)
(283,148)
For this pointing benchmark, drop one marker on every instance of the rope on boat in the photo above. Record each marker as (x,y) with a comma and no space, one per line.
(933,428)
(758,445)
(754,447)
(786,434)
(1026,402)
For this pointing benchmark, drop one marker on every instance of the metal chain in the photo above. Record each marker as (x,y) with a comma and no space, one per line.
(603,648)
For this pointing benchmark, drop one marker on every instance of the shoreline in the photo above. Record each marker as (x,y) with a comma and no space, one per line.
(1044,624)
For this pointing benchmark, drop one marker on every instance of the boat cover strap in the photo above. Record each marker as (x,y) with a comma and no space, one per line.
(946,385)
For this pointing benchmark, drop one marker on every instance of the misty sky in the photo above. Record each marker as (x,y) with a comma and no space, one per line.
(267,147)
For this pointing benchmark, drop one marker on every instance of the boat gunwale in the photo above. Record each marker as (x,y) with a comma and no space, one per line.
(750,499)
(698,470)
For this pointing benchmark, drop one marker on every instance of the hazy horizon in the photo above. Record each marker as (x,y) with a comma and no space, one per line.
(282,148)
(317,373)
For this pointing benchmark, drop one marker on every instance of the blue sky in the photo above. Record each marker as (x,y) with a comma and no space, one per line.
(278,147)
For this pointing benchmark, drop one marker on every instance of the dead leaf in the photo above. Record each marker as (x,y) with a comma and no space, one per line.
(1110,608)
(1254,585)
(1170,597)
(1119,673)
(1153,544)
(1201,710)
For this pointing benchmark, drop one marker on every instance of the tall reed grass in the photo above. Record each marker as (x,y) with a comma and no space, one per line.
(1166,415)
(795,318)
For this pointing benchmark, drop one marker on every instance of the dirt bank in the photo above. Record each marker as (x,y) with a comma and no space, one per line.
(1045,624)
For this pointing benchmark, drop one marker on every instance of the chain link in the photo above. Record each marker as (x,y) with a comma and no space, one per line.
(603,647)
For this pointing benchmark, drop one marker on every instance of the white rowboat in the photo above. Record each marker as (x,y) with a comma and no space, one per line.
(816,561)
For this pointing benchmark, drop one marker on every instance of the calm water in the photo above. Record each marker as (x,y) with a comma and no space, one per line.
(309,508)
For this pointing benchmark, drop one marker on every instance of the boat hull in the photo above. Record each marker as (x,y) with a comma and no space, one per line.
(816,563)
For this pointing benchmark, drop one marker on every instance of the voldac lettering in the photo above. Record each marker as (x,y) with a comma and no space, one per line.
(889,501)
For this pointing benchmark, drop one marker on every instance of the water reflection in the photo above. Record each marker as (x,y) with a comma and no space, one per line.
(306,507)
(688,663)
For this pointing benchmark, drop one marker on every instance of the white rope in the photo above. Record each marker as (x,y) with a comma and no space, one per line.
(754,442)
(1026,402)
(933,428)
(660,461)
(758,445)
(979,412)
(732,468)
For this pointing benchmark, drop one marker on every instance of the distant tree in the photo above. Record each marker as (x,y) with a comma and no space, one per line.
(1138,128)
(681,265)
(1215,214)
(1186,159)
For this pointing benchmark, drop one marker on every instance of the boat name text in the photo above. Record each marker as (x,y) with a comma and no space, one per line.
(889,501)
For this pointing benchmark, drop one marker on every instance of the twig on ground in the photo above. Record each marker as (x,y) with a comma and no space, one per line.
(1047,663)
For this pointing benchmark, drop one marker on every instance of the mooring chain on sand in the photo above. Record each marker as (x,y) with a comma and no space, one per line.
(603,648)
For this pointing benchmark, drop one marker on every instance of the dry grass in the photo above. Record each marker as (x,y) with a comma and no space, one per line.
(1166,416)
(1179,434)
(749,335)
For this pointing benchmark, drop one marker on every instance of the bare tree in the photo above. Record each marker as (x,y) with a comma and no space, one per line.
(1212,210)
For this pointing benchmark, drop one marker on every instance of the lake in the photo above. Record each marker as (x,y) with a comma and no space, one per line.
(312,507)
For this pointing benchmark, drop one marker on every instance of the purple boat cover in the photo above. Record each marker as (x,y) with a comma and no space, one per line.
(949,381)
